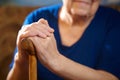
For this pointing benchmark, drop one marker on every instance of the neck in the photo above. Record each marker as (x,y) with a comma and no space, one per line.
(75,20)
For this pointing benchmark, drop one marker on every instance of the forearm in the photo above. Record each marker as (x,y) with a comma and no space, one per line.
(19,70)
(69,69)
(17,73)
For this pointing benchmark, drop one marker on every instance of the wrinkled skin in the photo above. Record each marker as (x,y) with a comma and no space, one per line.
(42,36)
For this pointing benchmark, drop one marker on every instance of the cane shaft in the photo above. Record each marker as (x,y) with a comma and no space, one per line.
(32,68)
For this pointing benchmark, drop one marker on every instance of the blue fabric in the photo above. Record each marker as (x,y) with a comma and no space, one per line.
(98,48)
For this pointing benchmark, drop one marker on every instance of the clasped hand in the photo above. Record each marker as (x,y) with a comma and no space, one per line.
(43,38)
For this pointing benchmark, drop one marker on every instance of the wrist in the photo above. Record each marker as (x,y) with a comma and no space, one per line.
(57,63)
(20,60)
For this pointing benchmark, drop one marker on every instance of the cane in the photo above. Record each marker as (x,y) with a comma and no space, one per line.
(28,46)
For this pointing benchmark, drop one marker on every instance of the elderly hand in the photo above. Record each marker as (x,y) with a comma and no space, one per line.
(42,36)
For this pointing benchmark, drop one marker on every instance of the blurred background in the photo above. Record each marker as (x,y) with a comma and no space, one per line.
(12,15)
(45,2)
(29,2)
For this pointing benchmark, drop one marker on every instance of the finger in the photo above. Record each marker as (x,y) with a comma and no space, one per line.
(33,30)
(41,30)
(45,22)
(44,30)
(37,41)
(31,34)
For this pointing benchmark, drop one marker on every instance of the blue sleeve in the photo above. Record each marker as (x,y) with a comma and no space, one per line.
(110,57)
(29,19)
(15,52)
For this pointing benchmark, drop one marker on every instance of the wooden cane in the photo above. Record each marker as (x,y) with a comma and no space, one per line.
(28,46)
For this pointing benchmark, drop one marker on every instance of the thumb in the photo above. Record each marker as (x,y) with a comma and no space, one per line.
(43,21)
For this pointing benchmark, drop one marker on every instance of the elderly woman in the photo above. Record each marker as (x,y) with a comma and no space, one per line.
(76,40)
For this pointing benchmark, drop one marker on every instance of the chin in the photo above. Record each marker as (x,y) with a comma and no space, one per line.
(80,13)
